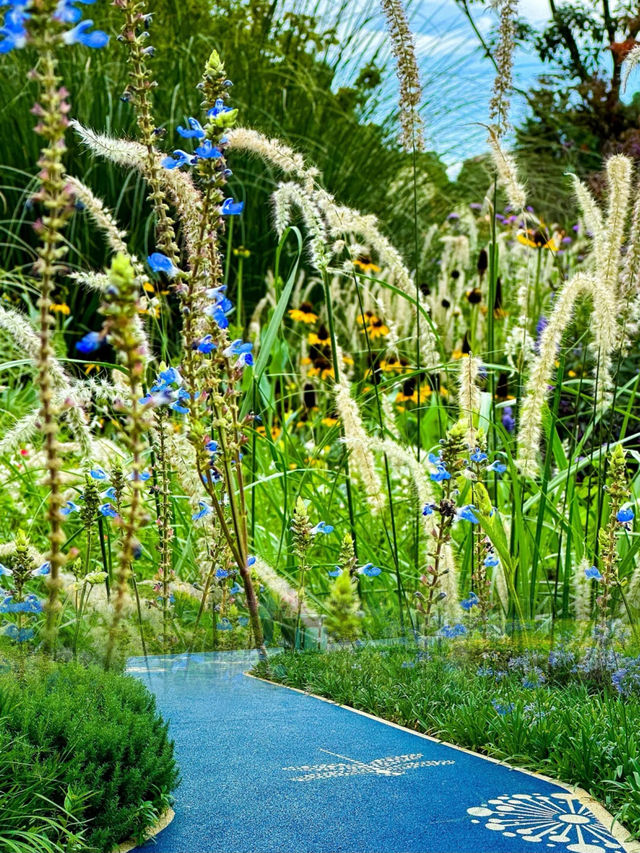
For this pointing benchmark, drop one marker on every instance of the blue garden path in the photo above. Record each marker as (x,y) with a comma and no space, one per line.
(270,770)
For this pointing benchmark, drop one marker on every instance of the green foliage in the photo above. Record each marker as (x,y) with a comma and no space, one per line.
(93,747)
(343,620)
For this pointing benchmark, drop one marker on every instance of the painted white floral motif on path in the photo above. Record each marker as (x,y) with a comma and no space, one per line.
(395,765)
(555,820)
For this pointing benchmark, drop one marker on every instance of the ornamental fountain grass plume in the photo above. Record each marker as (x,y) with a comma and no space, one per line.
(45,26)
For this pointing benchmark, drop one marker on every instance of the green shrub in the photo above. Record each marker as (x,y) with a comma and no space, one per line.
(92,744)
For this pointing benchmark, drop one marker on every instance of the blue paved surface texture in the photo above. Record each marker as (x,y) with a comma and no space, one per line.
(268,770)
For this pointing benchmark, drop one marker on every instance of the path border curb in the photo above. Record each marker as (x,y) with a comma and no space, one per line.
(619,832)
(162,823)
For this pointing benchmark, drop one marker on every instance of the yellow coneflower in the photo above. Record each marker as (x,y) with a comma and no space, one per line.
(146,285)
(365,263)
(61,308)
(537,240)
(321,339)
(303,314)
(329,422)
(377,329)
(322,367)
(275,431)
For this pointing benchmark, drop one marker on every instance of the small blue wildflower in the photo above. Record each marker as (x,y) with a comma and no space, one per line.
(89,343)
(108,511)
(408,664)
(205,509)
(243,621)
(20,635)
(68,508)
(42,570)
(452,631)
(231,207)
(14,30)
(175,161)
(440,474)
(250,562)
(110,493)
(370,570)
(236,589)
(334,573)
(224,624)
(98,473)
(625,515)
(161,263)
(208,151)
(497,466)
(470,602)
(321,527)
(206,345)
(194,131)
(478,456)
(428,509)
(592,573)
(218,108)
(141,476)
(222,573)
(467,513)
(502,710)
(508,421)
(491,561)
(5,571)
(242,350)
(31,604)
(80,35)
(177,405)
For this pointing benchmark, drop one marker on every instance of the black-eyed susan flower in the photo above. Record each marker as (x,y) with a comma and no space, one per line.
(321,339)
(303,314)
(537,240)
(364,263)
(61,308)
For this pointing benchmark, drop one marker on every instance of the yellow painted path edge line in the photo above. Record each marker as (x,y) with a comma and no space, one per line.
(622,835)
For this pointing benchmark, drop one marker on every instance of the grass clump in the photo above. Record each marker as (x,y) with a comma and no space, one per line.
(93,751)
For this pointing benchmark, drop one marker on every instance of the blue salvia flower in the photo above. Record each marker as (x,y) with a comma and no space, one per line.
(89,343)
(98,473)
(243,621)
(20,635)
(177,405)
(13,30)
(110,493)
(177,159)
(194,131)
(161,263)
(217,108)
(42,570)
(231,207)
(334,573)
(205,509)
(68,508)
(141,476)
(369,570)
(498,467)
(31,604)
(470,602)
(80,35)
(451,631)
(224,624)
(428,509)
(206,345)
(108,511)
(222,573)
(478,456)
(592,573)
(321,527)
(208,151)
(441,472)
(242,350)
(625,516)
(236,589)
(491,561)
(467,513)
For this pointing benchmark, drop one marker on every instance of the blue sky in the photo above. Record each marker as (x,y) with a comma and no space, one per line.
(457,78)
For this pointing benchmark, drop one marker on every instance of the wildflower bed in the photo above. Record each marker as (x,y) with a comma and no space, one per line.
(536,709)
